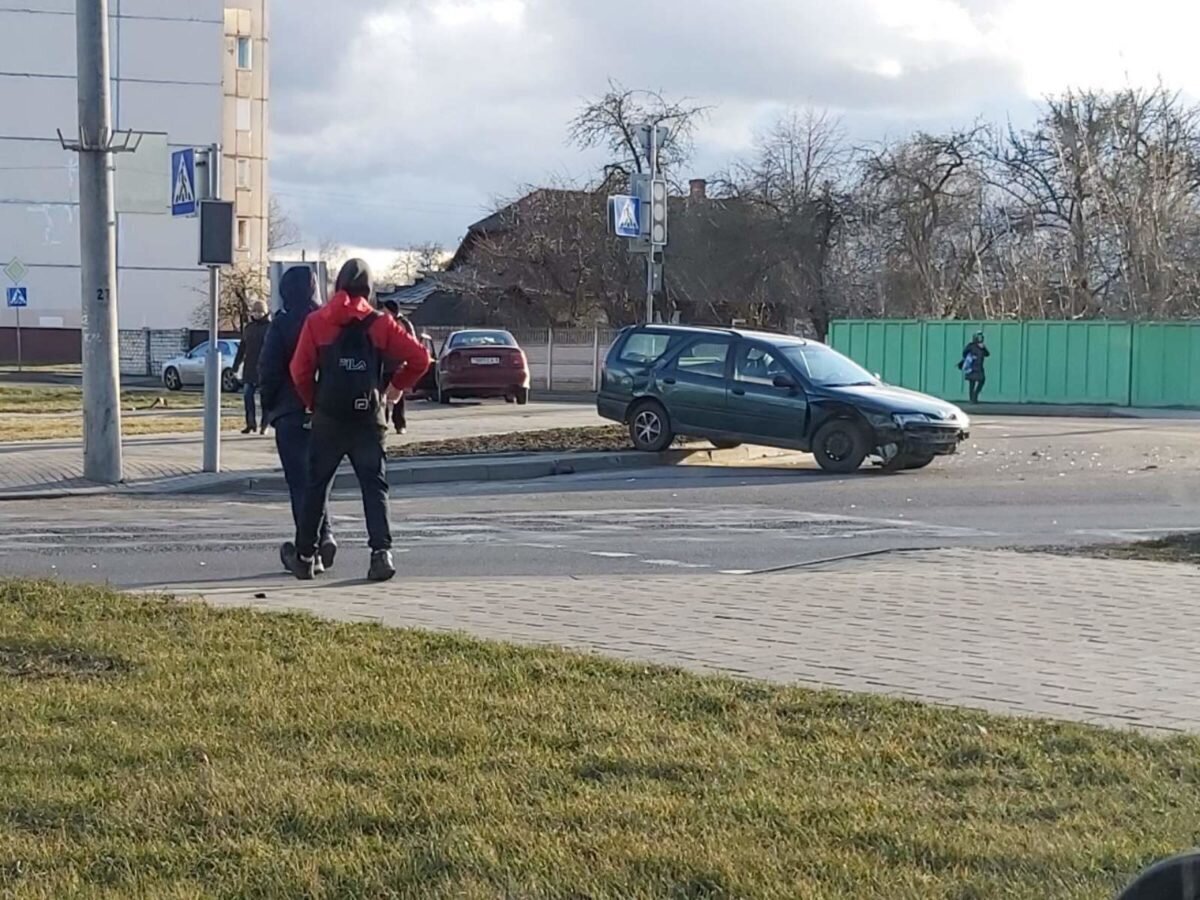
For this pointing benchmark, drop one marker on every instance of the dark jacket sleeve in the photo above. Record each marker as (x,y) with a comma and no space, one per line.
(240,356)
(272,364)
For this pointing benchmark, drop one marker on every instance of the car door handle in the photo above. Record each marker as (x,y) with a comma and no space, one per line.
(668,381)
(740,392)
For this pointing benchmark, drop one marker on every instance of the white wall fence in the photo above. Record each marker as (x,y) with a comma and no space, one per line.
(560,359)
(143,352)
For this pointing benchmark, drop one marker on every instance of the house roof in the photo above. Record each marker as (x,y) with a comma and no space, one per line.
(413,294)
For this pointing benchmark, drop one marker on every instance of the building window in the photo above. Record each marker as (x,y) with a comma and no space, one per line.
(245,53)
(243,115)
(243,234)
(243,174)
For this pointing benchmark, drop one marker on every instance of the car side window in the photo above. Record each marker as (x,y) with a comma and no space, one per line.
(705,357)
(757,365)
(645,348)
(200,350)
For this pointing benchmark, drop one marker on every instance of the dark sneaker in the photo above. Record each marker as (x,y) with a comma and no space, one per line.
(304,569)
(249,429)
(382,568)
(327,554)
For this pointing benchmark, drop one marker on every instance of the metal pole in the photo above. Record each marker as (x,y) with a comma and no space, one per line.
(97,249)
(596,358)
(650,255)
(549,359)
(18,339)
(214,363)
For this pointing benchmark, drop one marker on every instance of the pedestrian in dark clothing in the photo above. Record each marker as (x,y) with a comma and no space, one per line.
(972,365)
(338,370)
(283,409)
(248,354)
(399,420)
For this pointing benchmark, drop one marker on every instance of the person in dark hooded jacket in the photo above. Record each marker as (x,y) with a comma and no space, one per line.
(282,407)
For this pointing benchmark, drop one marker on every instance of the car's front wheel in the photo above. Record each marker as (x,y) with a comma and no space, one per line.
(650,428)
(726,445)
(171,379)
(918,462)
(840,446)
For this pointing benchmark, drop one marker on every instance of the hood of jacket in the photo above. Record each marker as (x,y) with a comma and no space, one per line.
(298,290)
(343,309)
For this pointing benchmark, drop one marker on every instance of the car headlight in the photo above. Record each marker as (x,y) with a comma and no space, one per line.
(903,419)
(880,420)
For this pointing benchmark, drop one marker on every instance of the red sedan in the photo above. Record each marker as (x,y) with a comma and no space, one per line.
(483,363)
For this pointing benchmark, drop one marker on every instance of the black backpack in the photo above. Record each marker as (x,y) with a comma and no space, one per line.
(350,373)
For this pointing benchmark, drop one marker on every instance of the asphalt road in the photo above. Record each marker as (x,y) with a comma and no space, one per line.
(1018,482)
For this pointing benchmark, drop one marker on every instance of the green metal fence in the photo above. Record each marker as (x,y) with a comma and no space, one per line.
(1144,364)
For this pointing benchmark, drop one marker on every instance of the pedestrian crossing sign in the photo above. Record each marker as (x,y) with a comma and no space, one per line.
(624,216)
(183,182)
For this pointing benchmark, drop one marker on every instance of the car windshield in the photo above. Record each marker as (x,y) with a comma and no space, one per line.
(482,339)
(825,367)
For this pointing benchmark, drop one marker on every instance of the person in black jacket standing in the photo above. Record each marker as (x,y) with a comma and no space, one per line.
(282,407)
(249,351)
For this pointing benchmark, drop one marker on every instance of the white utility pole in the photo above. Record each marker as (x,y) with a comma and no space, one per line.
(97,249)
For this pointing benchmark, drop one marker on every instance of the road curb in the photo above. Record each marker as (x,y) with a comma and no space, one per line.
(532,466)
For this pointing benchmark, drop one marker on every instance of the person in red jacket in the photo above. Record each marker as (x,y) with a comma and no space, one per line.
(338,369)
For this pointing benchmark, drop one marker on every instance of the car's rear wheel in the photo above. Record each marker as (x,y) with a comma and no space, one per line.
(650,427)
(840,446)
(229,381)
(443,396)
(172,380)
(522,396)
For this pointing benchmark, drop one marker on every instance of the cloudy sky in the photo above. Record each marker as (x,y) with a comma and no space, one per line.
(397,122)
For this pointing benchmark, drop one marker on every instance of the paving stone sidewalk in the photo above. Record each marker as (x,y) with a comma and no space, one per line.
(1104,642)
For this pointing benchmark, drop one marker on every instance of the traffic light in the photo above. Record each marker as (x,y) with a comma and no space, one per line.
(658,212)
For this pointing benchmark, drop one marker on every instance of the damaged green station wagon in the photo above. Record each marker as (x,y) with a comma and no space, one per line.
(744,387)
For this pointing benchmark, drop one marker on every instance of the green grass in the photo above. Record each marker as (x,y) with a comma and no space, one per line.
(58,399)
(165,750)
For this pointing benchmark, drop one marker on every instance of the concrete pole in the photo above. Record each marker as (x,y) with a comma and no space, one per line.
(215,362)
(549,359)
(97,249)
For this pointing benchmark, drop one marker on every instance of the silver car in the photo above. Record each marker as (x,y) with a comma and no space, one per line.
(188,370)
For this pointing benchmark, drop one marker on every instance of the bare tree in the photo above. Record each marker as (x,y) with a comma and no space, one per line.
(796,182)
(611,120)
(282,232)
(416,261)
(240,287)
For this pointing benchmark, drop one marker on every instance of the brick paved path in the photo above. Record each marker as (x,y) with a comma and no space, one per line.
(1106,642)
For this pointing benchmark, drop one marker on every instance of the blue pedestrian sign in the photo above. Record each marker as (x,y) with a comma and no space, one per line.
(624,216)
(183,182)
(18,297)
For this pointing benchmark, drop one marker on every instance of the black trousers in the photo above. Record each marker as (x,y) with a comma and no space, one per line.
(399,422)
(364,445)
(292,441)
(976,385)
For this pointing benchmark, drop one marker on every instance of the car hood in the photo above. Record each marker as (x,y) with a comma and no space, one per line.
(886,398)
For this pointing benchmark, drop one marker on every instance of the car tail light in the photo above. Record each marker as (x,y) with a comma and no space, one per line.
(516,359)
(452,360)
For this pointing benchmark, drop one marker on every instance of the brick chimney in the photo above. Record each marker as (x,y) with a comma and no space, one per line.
(698,189)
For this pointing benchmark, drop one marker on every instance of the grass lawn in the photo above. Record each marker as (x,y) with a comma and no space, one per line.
(65,428)
(58,399)
(167,750)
